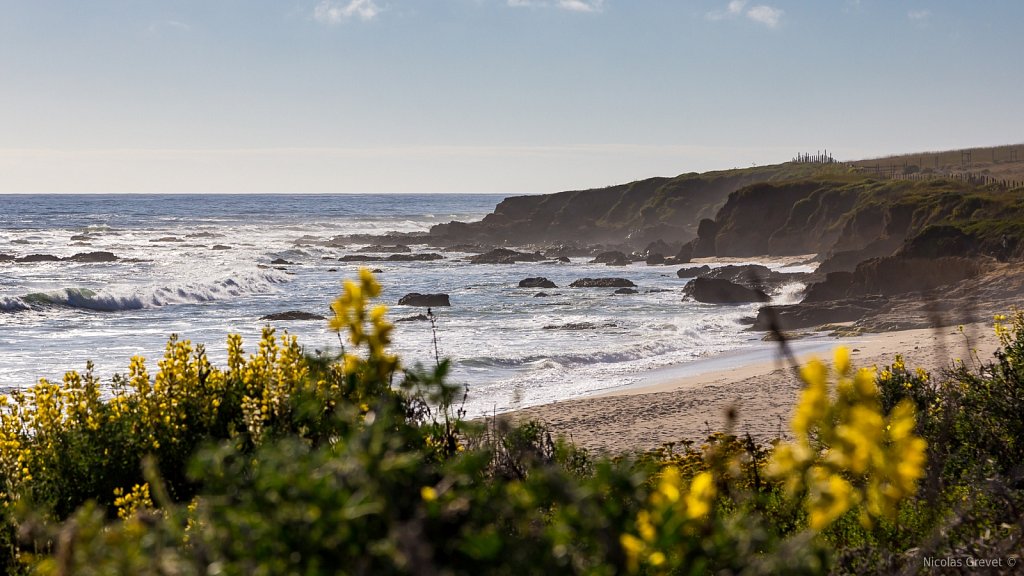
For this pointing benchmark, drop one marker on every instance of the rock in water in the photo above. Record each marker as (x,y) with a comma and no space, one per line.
(693,271)
(416,318)
(719,291)
(506,256)
(293,315)
(92,257)
(626,291)
(613,258)
(280,262)
(602,283)
(538,282)
(417,299)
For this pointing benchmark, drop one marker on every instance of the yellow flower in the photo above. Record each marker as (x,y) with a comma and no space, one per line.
(428,493)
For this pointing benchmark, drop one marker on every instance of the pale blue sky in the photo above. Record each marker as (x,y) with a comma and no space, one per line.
(485,95)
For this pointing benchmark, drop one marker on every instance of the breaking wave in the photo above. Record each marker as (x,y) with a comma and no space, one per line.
(145,297)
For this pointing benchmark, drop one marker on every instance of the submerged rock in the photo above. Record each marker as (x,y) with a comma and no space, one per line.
(167,239)
(38,258)
(220,247)
(293,315)
(280,262)
(416,318)
(602,283)
(538,282)
(417,299)
(626,291)
(578,326)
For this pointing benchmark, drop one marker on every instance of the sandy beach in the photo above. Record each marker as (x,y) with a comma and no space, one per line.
(761,393)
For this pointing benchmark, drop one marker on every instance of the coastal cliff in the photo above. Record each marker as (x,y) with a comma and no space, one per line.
(634,214)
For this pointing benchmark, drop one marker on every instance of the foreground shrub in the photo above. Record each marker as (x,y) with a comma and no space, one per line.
(284,463)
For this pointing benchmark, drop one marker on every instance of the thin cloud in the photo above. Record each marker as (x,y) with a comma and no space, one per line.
(761,13)
(766,15)
(337,11)
(919,15)
(570,5)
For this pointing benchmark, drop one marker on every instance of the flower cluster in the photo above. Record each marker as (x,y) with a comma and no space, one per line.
(847,452)
(675,510)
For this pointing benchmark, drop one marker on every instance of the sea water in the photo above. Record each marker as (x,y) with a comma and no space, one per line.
(511,348)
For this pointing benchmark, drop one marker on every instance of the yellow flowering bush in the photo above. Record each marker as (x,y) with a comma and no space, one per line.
(846,451)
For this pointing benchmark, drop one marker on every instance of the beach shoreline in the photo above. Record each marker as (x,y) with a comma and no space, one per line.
(758,393)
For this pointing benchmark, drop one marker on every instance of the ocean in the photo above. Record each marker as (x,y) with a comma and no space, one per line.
(199,266)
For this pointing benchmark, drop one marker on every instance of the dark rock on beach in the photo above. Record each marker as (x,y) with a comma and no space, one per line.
(417,299)
(293,315)
(506,256)
(602,283)
(720,291)
(538,282)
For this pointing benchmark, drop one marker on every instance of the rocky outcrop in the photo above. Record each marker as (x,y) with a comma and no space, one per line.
(506,256)
(293,315)
(378,248)
(693,271)
(538,282)
(417,299)
(602,283)
(626,291)
(281,262)
(894,275)
(721,291)
(798,316)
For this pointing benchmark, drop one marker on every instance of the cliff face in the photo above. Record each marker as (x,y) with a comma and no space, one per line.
(636,213)
(853,219)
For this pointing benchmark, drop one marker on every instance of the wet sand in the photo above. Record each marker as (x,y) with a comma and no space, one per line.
(692,401)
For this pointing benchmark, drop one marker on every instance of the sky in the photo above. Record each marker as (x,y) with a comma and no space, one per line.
(510,96)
